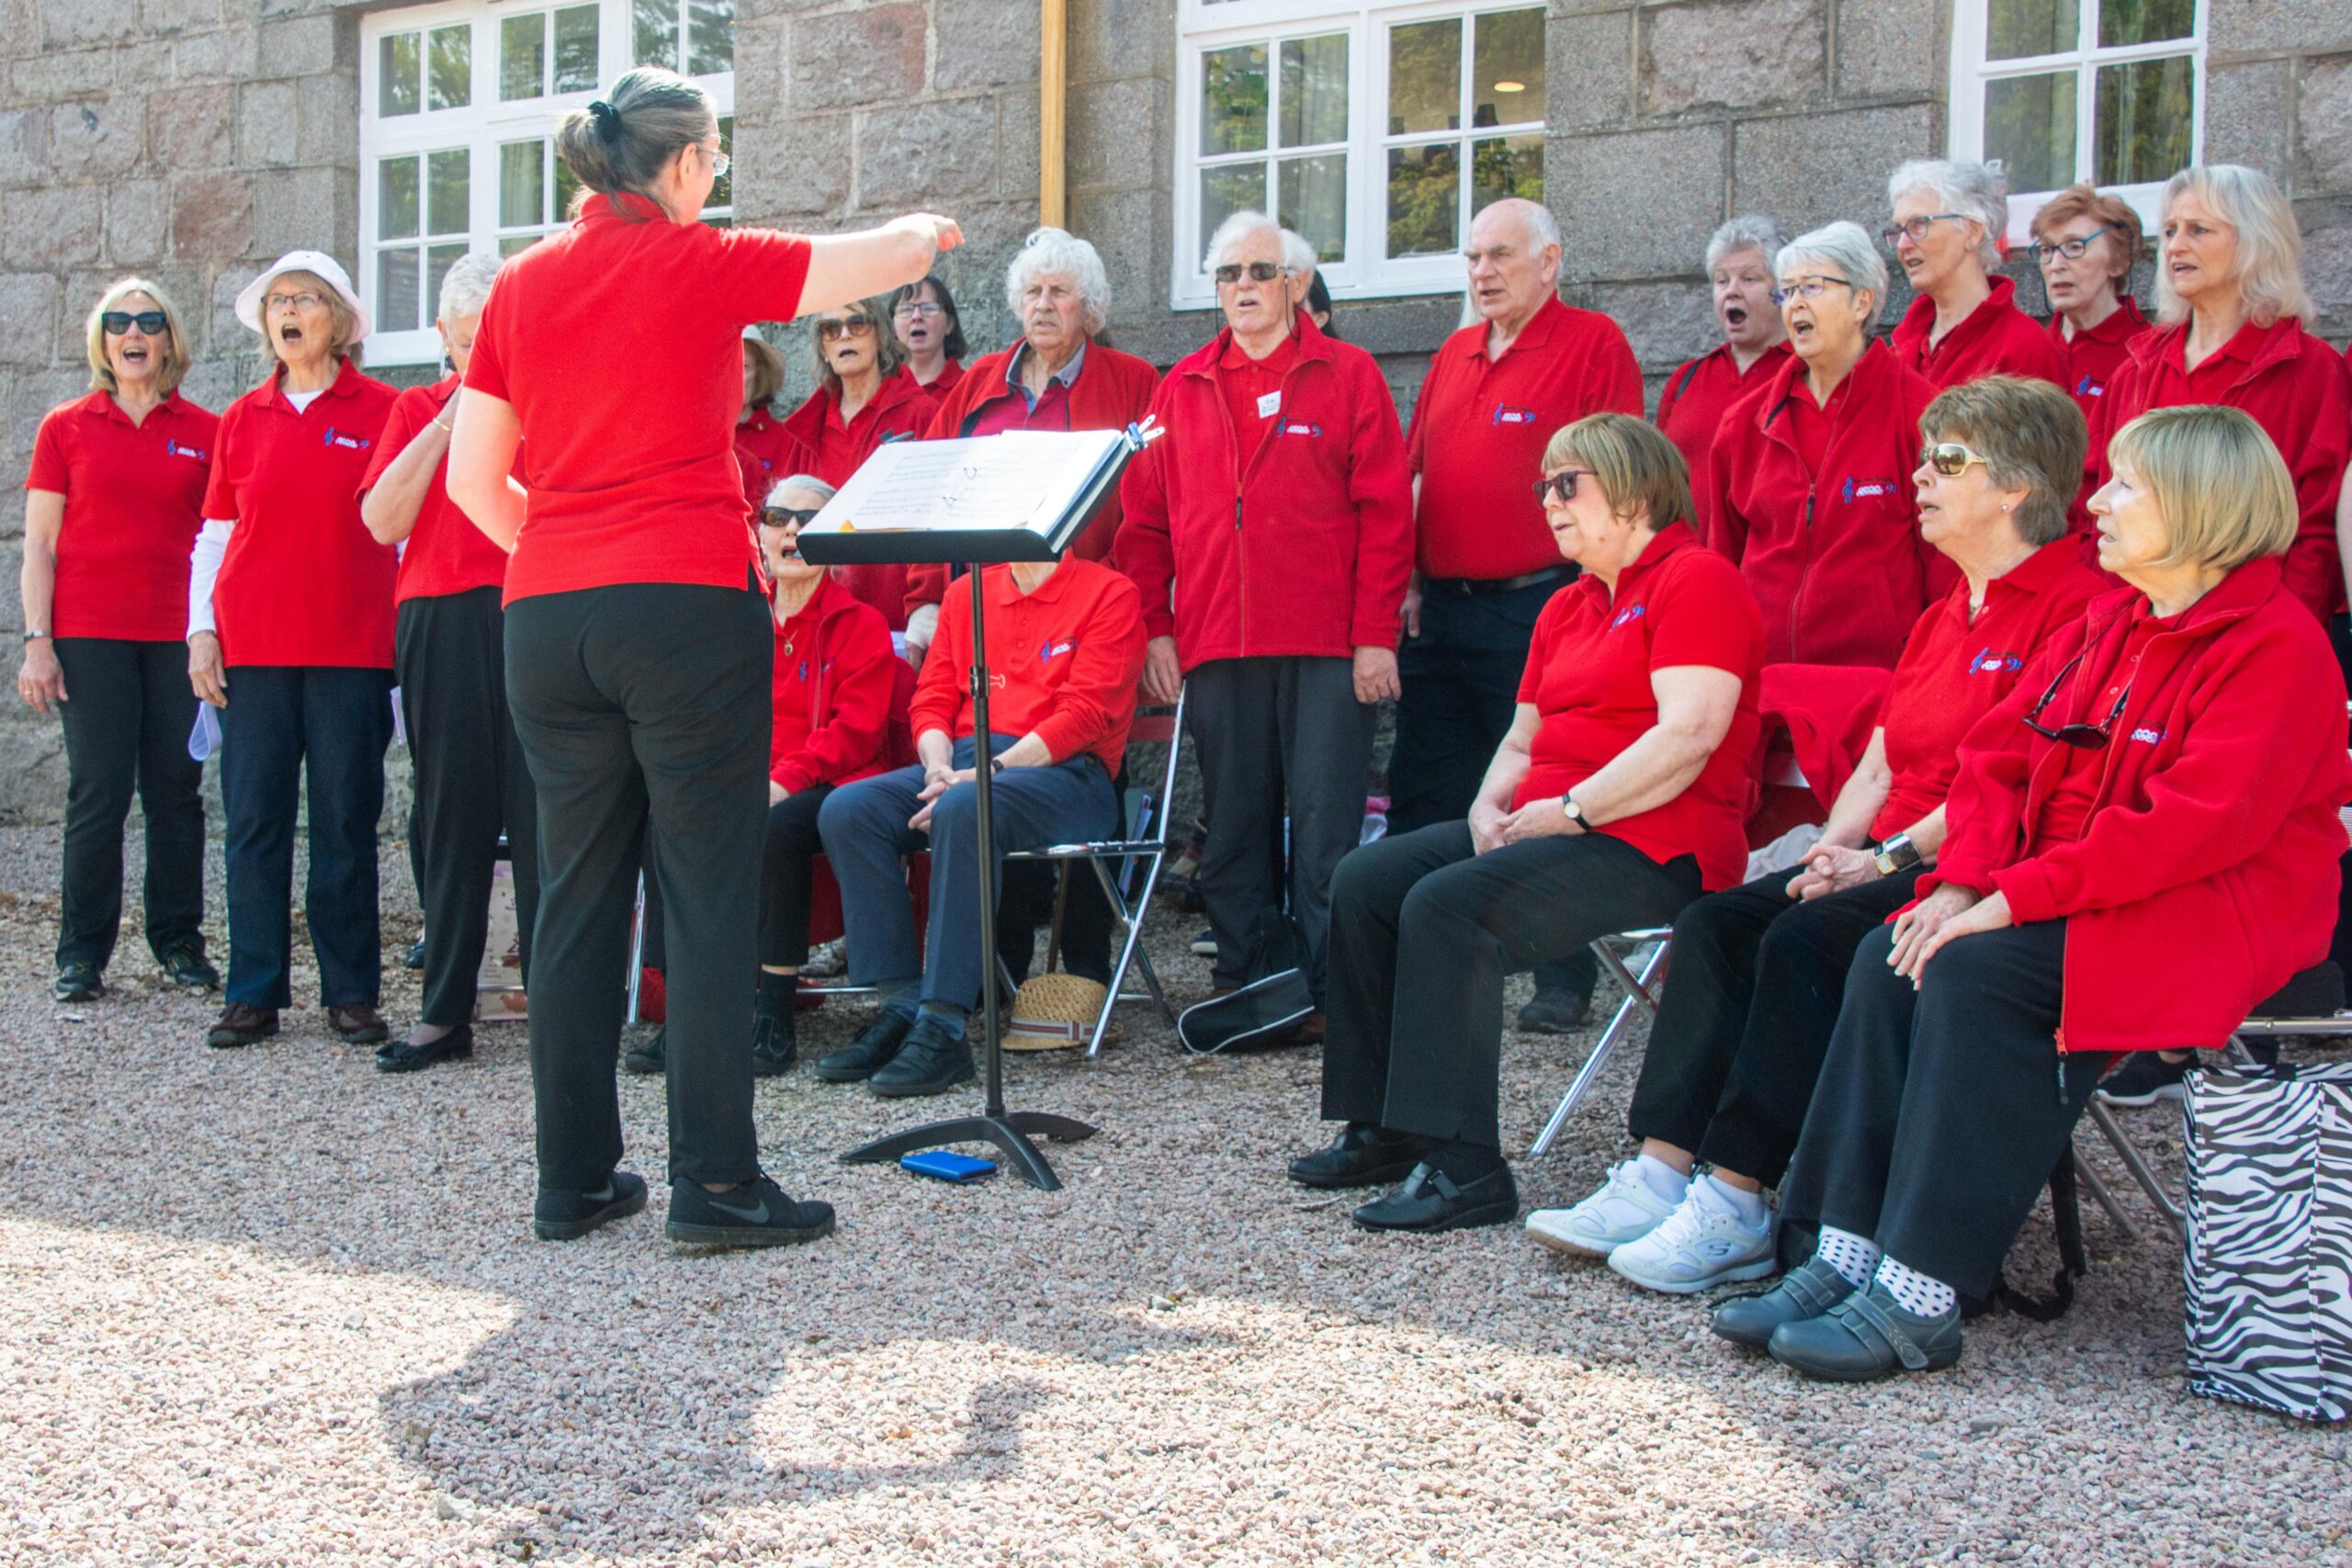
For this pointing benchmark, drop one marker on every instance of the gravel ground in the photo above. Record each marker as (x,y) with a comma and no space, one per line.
(272,1307)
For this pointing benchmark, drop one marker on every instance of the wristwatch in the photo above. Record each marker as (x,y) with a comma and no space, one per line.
(996,766)
(36,636)
(1570,809)
(1898,853)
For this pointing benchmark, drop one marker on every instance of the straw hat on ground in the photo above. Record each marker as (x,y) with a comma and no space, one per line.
(1055,1012)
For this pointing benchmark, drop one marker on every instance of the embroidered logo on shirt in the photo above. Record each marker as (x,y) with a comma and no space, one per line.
(1627,616)
(1505,414)
(1988,662)
(2148,734)
(1865,490)
(1296,427)
(175,449)
(356,443)
(2086,387)
(1051,650)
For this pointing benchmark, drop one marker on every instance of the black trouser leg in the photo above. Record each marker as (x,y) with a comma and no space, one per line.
(788,864)
(100,716)
(261,774)
(1710,988)
(1230,711)
(346,726)
(171,798)
(1940,1111)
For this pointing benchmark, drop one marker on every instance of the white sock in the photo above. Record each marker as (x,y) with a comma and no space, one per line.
(1663,1178)
(1913,1292)
(1854,1257)
(1747,1206)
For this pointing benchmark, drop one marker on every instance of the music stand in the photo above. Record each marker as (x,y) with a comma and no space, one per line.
(1009,1131)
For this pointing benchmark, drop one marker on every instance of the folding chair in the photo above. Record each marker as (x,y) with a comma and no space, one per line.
(1641,993)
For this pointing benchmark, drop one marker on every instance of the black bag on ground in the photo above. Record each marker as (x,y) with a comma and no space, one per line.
(1268,1009)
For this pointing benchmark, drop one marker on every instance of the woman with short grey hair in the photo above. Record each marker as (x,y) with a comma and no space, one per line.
(1949,229)
(1700,391)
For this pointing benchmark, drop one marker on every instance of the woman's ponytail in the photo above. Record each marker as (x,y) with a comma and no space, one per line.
(622,141)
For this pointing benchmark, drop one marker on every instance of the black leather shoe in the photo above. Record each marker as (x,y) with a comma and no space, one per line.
(1361,1156)
(567,1216)
(930,1061)
(186,965)
(240,1025)
(754,1213)
(1432,1200)
(358,1024)
(774,1050)
(78,983)
(653,1057)
(867,1054)
(1807,1291)
(1556,1012)
(415,959)
(1865,1337)
(400,1056)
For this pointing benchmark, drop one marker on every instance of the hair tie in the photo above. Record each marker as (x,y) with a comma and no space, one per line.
(607,119)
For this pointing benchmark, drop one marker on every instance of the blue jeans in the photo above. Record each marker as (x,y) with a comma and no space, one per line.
(864,828)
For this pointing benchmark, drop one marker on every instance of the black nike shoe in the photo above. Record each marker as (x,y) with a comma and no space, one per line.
(558,1215)
(754,1213)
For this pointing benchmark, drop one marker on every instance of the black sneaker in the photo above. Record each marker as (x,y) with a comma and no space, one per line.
(567,1217)
(774,1050)
(1556,1012)
(931,1061)
(867,1054)
(1205,943)
(186,966)
(754,1213)
(415,959)
(2144,1079)
(78,983)
(653,1057)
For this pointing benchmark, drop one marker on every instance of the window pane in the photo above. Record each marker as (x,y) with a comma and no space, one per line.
(438,260)
(449,80)
(396,68)
(2144,113)
(396,291)
(710,36)
(513,244)
(1507,78)
(522,56)
(575,50)
(2030,125)
(1505,165)
(1314,201)
(1233,100)
(396,199)
(2015,29)
(447,192)
(2146,21)
(1425,78)
(722,191)
(1229,189)
(522,187)
(1424,200)
(1315,90)
(653,32)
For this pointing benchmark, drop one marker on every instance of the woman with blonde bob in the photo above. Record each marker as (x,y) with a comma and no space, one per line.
(112,504)
(2231,313)
(2143,846)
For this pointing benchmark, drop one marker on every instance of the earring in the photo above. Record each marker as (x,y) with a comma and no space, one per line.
(2004,506)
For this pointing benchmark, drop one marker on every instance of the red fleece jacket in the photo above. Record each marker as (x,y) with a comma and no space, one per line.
(831,695)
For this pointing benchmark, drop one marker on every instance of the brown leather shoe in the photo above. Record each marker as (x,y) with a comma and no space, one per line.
(359,1024)
(240,1025)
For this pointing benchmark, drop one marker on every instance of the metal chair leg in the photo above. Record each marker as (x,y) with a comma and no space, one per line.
(2089,1179)
(2142,1172)
(636,952)
(1638,995)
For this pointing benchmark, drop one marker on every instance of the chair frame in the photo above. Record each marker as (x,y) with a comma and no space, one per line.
(1643,992)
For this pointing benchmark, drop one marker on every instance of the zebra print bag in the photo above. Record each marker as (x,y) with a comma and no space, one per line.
(2269,1256)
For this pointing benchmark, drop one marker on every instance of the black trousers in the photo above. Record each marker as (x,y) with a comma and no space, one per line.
(285,727)
(1751,998)
(787,867)
(1942,1111)
(1269,731)
(1422,932)
(643,709)
(472,783)
(127,712)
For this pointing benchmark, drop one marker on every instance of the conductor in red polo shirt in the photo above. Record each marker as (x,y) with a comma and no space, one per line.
(1270,533)
(639,641)
(1486,563)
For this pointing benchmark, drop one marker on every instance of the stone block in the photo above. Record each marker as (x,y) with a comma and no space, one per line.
(851,58)
(67,73)
(65,23)
(298,46)
(32,759)
(1125,227)
(28,316)
(1017,149)
(1108,38)
(1891,48)
(759,72)
(192,128)
(1588,70)
(166,17)
(330,115)
(2249,25)
(926,154)
(2323,128)
(212,216)
(98,140)
(1807,169)
(1666,322)
(54,226)
(269,124)
(980,48)
(232,54)
(24,147)
(2328,264)
(1112,139)
(138,222)
(1636,204)
(1733,53)
(316,208)
(792,165)
(2246,113)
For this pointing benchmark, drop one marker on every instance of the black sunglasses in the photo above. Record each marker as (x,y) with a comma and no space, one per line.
(1263,272)
(1563,484)
(118,323)
(2084,737)
(780,516)
(848,326)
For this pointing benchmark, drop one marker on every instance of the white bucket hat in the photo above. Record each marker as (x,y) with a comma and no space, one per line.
(319,265)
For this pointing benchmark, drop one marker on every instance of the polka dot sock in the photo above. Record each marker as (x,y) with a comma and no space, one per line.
(1913,1292)
(1853,1257)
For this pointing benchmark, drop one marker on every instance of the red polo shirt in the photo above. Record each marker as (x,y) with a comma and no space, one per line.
(133,499)
(2094,355)
(620,345)
(1588,672)
(1953,670)
(1691,409)
(760,446)
(951,370)
(1480,426)
(446,554)
(1994,339)
(303,582)
(1063,661)
(1253,391)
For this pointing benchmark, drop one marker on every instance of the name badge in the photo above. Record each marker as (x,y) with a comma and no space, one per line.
(1271,404)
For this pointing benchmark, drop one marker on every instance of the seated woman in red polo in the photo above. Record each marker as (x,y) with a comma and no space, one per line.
(2143,845)
(1616,798)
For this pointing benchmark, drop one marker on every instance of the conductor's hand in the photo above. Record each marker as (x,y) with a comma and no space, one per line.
(937,780)
(205,671)
(1162,676)
(1376,674)
(937,232)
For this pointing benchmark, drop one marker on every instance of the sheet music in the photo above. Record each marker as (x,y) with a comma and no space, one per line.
(1023,478)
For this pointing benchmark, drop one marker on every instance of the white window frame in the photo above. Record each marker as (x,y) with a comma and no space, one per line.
(480,126)
(1367,273)
(1971,71)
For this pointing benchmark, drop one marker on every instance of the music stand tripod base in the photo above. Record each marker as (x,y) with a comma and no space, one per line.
(1009,1132)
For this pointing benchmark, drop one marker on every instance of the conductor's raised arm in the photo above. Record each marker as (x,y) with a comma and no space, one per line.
(844,267)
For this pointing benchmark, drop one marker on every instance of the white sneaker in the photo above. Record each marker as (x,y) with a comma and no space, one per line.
(1624,1208)
(1702,1245)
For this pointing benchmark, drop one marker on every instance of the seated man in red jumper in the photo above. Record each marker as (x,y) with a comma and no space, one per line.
(1066,644)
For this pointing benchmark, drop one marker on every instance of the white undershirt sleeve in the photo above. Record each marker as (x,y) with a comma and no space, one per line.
(204,565)
(923,625)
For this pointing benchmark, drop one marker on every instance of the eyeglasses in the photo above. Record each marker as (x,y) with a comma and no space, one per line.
(917,308)
(1949,459)
(118,323)
(785,516)
(1808,287)
(2083,736)
(1261,272)
(2073,249)
(1562,484)
(848,326)
(720,163)
(307,300)
(1918,227)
